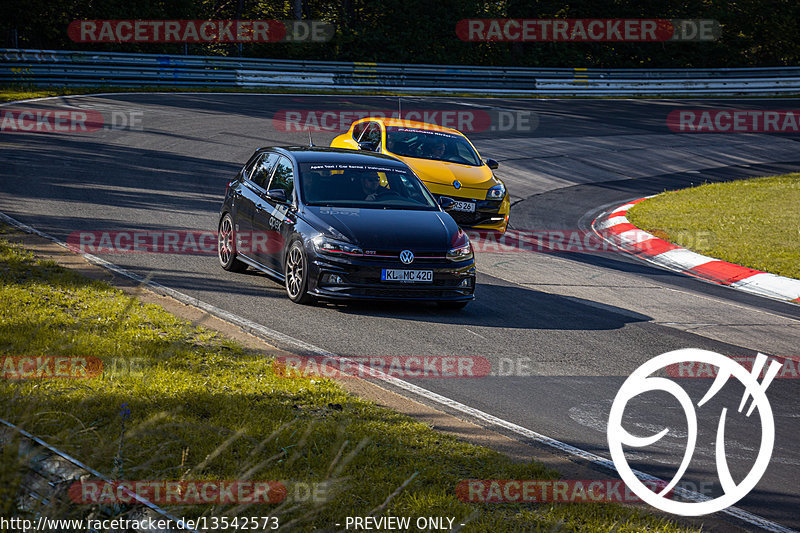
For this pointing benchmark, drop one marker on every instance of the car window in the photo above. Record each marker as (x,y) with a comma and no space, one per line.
(248,168)
(372,134)
(283,177)
(261,169)
(359,129)
(366,186)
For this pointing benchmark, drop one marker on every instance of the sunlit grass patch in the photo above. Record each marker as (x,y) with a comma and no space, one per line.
(753,223)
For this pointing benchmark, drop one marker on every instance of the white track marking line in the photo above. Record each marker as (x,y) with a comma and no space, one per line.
(476,334)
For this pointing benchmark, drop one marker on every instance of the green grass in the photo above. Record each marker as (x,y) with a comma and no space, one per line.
(9,94)
(753,223)
(203,407)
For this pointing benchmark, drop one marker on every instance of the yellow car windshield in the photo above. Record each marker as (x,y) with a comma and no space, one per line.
(428,144)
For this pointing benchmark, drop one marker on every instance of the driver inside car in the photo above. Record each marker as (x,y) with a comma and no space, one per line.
(437,150)
(371,186)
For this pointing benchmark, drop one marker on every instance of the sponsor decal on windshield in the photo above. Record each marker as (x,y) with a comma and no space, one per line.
(423,132)
(338,166)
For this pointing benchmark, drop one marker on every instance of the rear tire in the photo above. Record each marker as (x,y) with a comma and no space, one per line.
(295,271)
(226,246)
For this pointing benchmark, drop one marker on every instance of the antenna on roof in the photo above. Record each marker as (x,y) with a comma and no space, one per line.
(310,142)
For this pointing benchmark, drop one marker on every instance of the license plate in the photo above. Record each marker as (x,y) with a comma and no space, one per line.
(467,207)
(408,276)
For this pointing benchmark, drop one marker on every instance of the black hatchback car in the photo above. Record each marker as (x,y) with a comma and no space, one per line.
(341,224)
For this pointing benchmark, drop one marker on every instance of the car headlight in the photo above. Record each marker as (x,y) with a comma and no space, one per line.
(325,244)
(462,253)
(498,192)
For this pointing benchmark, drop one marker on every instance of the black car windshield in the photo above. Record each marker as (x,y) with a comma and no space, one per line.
(370,186)
(429,144)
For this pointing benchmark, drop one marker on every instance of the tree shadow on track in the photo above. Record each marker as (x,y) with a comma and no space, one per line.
(87,171)
(504,306)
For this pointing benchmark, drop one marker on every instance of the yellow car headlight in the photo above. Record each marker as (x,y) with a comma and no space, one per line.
(498,192)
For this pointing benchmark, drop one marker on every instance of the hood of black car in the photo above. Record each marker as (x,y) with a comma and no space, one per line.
(386,229)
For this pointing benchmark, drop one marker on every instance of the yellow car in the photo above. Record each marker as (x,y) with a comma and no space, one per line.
(445,160)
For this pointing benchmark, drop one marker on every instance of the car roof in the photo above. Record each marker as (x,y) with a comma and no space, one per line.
(390,121)
(313,154)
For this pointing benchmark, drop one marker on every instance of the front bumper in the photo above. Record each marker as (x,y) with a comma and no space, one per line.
(361,279)
(489,214)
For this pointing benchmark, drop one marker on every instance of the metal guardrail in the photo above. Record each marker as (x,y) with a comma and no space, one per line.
(47,473)
(98,69)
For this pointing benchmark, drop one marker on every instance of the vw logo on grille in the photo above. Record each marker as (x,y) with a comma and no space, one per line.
(407,257)
(456,184)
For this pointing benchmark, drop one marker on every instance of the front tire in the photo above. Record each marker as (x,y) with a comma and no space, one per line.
(226,246)
(295,271)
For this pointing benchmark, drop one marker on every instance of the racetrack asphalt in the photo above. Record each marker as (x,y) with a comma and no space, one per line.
(576,323)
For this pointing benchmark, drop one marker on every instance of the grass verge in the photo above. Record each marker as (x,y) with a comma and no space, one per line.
(753,223)
(203,407)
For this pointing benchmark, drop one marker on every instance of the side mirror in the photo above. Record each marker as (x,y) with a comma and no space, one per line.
(446,203)
(279,195)
(367,145)
(492,164)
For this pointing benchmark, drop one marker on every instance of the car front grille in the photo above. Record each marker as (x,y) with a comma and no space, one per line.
(471,219)
(384,256)
(484,211)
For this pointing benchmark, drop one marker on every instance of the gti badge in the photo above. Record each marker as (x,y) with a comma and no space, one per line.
(456,184)
(407,257)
